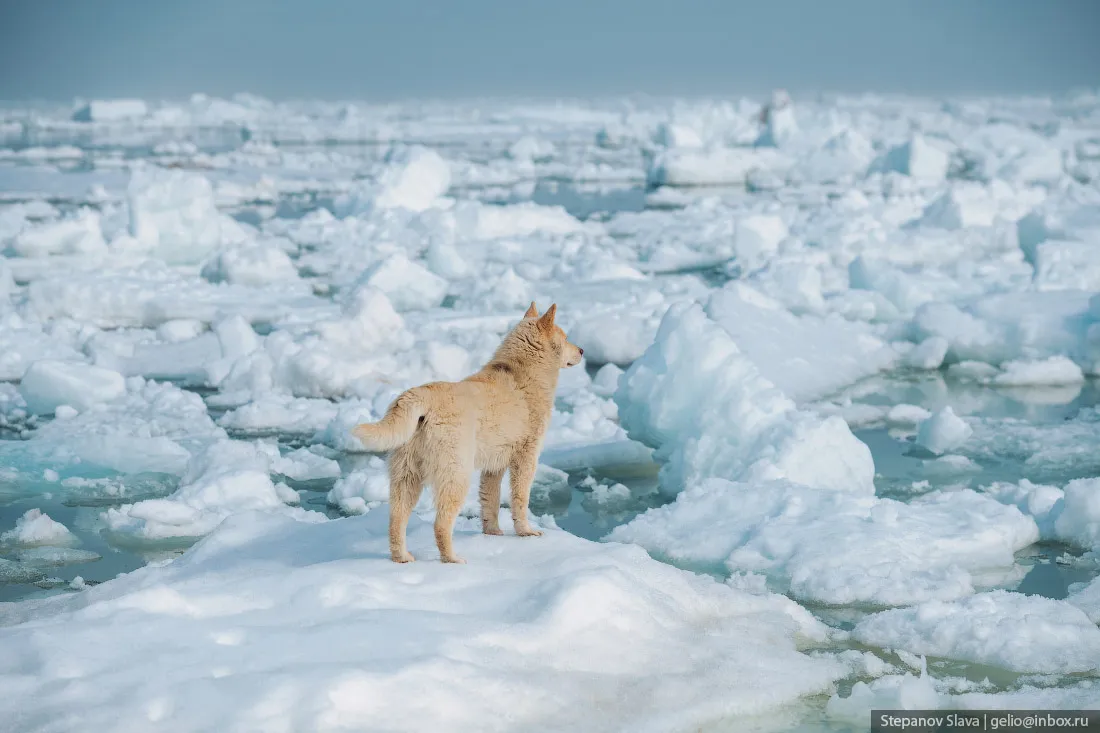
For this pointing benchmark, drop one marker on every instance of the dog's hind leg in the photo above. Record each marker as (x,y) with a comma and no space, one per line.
(450,493)
(406,483)
(522,473)
(489,494)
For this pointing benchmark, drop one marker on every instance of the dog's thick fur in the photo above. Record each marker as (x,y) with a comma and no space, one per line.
(491,421)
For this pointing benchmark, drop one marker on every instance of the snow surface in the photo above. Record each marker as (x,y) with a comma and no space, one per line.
(1001,629)
(583,634)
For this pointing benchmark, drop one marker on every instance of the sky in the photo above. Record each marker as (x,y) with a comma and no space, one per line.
(379,50)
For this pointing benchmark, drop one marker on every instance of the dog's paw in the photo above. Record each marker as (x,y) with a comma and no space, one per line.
(528,531)
(492,530)
(406,557)
(454,559)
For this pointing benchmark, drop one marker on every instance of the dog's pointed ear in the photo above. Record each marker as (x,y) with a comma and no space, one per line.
(547,320)
(532,312)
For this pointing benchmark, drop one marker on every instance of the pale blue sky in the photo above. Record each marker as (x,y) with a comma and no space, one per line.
(377,50)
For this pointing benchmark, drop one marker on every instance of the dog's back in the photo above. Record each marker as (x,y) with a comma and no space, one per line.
(483,418)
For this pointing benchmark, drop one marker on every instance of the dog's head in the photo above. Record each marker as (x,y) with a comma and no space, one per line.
(551,335)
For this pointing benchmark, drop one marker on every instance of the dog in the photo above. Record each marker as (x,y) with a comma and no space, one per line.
(492,421)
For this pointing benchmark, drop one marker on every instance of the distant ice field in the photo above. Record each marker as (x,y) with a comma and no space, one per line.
(835,445)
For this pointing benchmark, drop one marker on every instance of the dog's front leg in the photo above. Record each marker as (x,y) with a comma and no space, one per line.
(489,494)
(522,471)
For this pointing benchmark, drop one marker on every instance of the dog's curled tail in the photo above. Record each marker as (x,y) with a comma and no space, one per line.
(397,426)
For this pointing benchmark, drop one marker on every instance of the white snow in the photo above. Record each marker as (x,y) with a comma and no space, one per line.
(413,179)
(677,135)
(918,159)
(408,285)
(943,432)
(174,214)
(1079,521)
(229,477)
(712,167)
(35,528)
(46,385)
(891,692)
(708,410)
(200,298)
(78,235)
(1086,596)
(839,547)
(662,649)
(928,354)
(259,263)
(1054,370)
(1000,629)
(807,357)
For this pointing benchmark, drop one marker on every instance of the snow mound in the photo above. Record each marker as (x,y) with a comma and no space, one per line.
(916,158)
(531,149)
(275,412)
(928,354)
(304,464)
(697,398)
(361,490)
(412,178)
(48,384)
(757,238)
(613,337)
(229,477)
(891,692)
(588,635)
(943,432)
(480,221)
(963,205)
(1011,326)
(806,357)
(152,428)
(78,235)
(1054,370)
(677,135)
(1001,629)
(35,529)
(1079,521)
(1086,596)
(713,167)
(837,547)
(843,157)
(174,214)
(408,285)
(258,263)
(1066,265)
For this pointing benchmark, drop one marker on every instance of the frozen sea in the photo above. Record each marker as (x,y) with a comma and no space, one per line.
(835,445)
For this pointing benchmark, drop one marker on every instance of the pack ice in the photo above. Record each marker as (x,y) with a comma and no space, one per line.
(837,420)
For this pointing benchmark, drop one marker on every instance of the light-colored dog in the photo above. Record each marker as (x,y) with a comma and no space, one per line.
(491,421)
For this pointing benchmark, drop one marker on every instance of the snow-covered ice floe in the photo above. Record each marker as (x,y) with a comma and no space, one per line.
(565,630)
(765,486)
